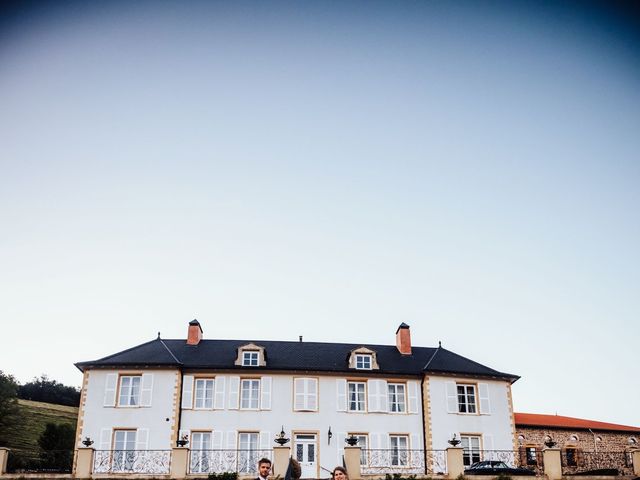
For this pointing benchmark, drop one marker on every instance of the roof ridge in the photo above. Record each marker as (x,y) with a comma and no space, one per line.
(169,350)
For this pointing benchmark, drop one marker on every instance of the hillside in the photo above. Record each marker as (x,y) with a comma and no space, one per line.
(33,418)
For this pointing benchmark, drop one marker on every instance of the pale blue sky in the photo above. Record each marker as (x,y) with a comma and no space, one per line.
(327,169)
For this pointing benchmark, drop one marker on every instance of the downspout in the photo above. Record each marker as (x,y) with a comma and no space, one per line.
(595,441)
(180,404)
(424,425)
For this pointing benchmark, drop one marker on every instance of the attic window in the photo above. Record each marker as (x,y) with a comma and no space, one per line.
(363,362)
(250,359)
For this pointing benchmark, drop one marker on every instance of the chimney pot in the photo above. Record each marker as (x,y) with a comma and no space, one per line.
(194,335)
(403,339)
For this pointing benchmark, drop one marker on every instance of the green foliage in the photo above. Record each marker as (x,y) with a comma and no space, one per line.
(503,476)
(398,476)
(57,437)
(8,405)
(223,476)
(44,390)
(461,477)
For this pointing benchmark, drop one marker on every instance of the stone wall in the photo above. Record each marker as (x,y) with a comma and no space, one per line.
(608,440)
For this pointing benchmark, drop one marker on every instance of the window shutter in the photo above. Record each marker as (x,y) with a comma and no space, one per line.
(216,443)
(340,443)
(412,386)
(105,439)
(265,393)
(384,441)
(483,392)
(373,396)
(110,390)
(234,386)
(341,388)
(232,439)
(489,453)
(312,394)
(383,391)
(377,459)
(142,438)
(415,442)
(452,397)
(265,440)
(218,401)
(187,391)
(299,393)
(147,390)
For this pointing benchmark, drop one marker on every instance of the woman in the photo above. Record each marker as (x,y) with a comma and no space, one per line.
(339,473)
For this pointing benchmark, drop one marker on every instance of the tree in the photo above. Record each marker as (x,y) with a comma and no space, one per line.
(57,443)
(44,390)
(8,403)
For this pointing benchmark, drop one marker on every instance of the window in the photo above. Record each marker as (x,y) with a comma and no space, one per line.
(129,391)
(200,452)
(124,445)
(466,398)
(363,362)
(399,449)
(363,442)
(471,449)
(204,393)
(356,396)
(250,394)
(571,455)
(247,452)
(396,397)
(306,394)
(531,455)
(250,359)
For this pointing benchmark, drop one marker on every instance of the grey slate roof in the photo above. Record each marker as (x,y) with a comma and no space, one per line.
(293,356)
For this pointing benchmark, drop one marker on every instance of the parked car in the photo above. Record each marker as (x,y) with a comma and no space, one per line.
(495,467)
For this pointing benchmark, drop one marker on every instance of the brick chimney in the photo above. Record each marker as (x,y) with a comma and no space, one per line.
(195,333)
(403,339)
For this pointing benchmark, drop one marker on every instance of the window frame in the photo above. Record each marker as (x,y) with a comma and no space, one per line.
(395,386)
(195,393)
(200,454)
(250,358)
(306,395)
(121,387)
(250,389)
(123,459)
(401,455)
(471,454)
(357,401)
(252,454)
(364,447)
(362,359)
(463,398)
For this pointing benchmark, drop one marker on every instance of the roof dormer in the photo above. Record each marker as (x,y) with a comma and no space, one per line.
(251,355)
(363,358)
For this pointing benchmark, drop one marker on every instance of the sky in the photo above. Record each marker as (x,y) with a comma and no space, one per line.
(327,169)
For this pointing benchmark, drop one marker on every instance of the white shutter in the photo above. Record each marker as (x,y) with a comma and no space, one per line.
(452,397)
(265,393)
(105,439)
(372,396)
(312,394)
(413,396)
(415,442)
(216,443)
(219,395)
(384,441)
(483,393)
(187,391)
(488,447)
(265,440)
(234,396)
(146,391)
(232,440)
(142,438)
(341,388)
(383,390)
(110,385)
(340,444)
(377,459)
(299,394)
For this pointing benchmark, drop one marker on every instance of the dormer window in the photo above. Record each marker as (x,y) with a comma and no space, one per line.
(363,362)
(251,355)
(250,359)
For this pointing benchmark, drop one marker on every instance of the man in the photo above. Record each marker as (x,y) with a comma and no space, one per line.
(264,465)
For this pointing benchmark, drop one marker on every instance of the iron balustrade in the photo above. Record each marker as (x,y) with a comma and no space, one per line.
(530,459)
(410,462)
(220,461)
(132,461)
(576,461)
(40,461)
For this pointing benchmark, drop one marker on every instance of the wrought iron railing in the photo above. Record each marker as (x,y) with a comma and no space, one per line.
(523,458)
(132,461)
(383,461)
(575,461)
(40,461)
(219,461)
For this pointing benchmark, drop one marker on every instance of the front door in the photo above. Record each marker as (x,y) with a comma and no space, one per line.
(306,454)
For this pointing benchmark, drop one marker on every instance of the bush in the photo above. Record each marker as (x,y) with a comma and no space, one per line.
(223,476)
(44,390)
(503,476)
(398,476)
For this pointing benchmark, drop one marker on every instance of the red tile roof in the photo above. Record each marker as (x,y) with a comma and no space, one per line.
(558,421)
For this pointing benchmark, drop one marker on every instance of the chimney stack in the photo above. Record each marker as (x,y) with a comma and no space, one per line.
(403,339)
(195,333)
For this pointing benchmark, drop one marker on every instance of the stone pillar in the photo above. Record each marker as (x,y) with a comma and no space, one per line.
(455,462)
(280,461)
(4,456)
(179,462)
(635,455)
(352,462)
(552,463)
(84,463)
